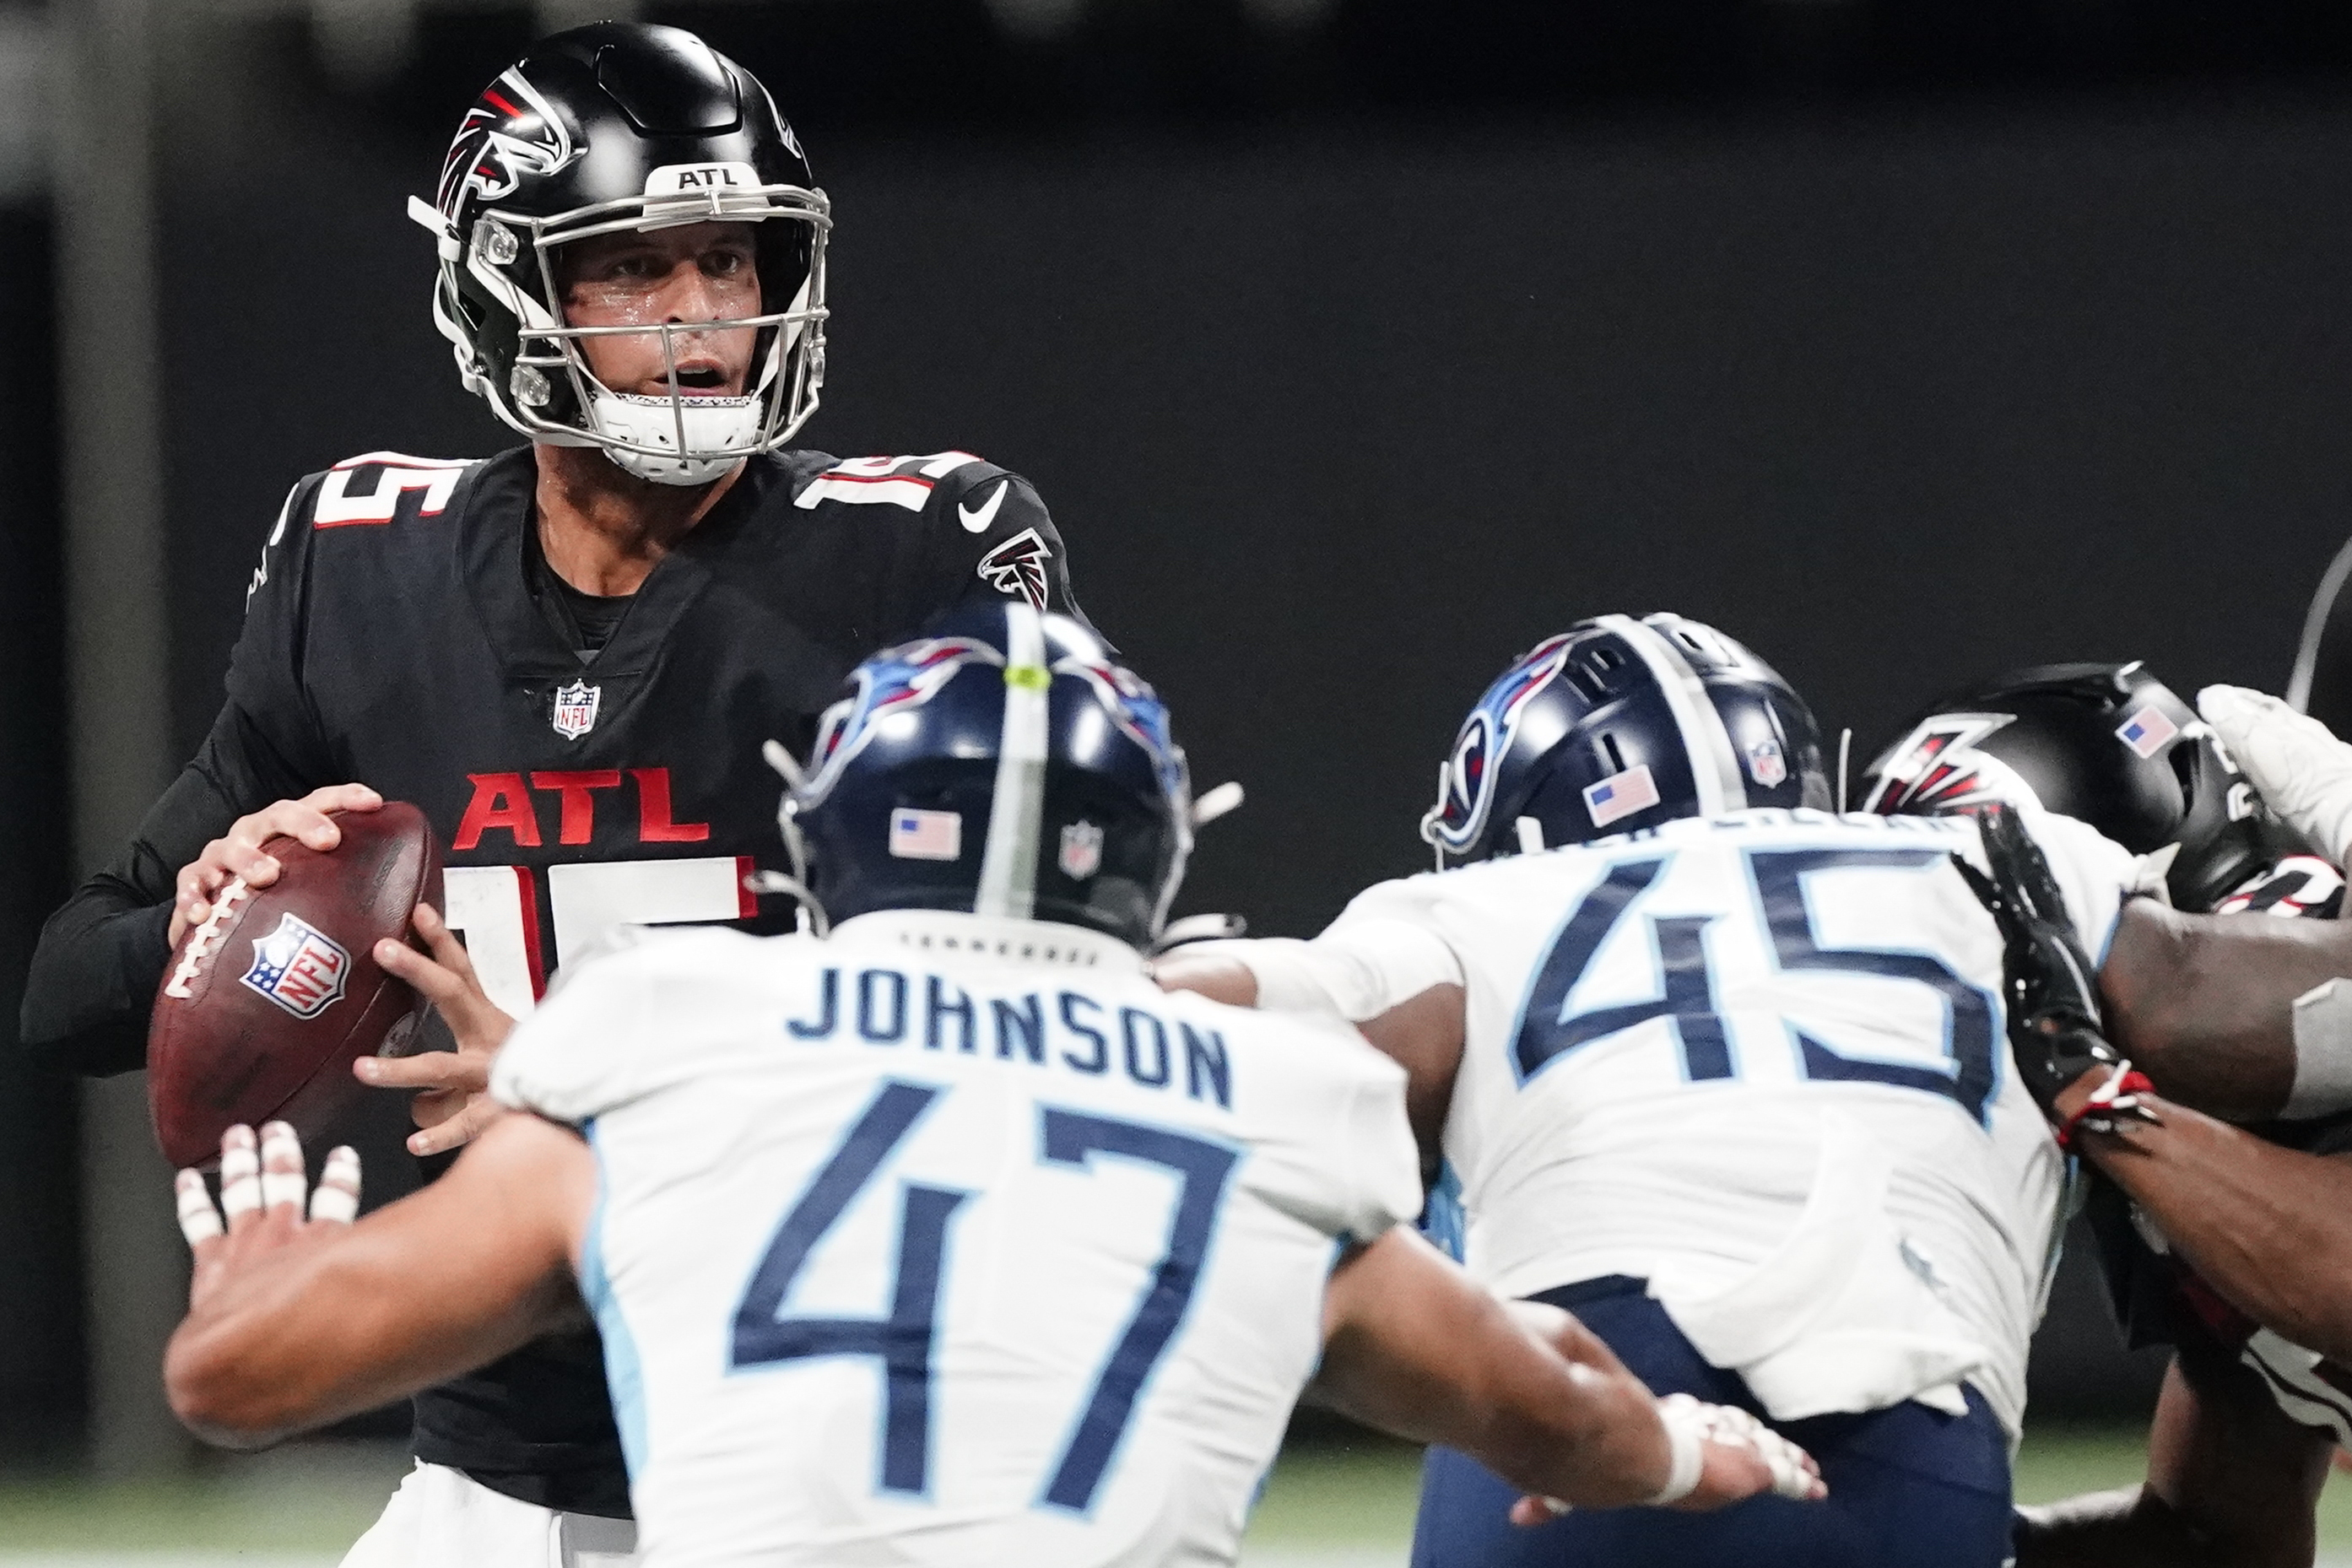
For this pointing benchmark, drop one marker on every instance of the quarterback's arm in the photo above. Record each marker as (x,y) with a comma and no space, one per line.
(472,1266)
(2231,1483)
(93,976)
(1414,1347)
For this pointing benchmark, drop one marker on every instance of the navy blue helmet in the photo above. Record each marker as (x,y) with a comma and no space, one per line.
(1617,724)
(1002,765)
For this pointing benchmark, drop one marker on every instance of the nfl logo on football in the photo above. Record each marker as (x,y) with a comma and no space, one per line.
(1081,855)
(575,709)
(298,967)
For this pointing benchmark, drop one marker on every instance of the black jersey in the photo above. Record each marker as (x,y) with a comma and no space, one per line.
(393,636)
(2157,1298)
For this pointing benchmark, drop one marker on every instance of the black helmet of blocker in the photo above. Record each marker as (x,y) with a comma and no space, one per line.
(2108,744)
(598,131)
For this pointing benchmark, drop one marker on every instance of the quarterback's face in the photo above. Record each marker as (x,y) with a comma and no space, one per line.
(695,272)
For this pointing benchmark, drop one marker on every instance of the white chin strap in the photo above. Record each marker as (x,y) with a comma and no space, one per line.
(719,431)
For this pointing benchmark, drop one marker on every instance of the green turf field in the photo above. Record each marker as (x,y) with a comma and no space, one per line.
(1327,1507)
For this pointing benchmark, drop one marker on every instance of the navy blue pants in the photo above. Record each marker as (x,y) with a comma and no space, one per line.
(1909,1487)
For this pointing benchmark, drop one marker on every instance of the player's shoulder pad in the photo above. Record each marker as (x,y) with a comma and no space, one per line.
(618,1027)
(378,488)
(923,484)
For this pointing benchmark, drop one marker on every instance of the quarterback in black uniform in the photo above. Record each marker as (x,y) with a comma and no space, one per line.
(557,652)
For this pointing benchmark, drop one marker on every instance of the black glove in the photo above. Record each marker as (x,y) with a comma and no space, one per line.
(2048,984)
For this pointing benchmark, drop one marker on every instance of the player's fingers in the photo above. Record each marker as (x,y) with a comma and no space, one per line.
(432,980)
(296,819)
(341,797)
(1794,1474)
(199,1221)
(240,1176)
(443,944)
(458,1130)
(336,1200)
(284,1183)
(1530,1512)
(426,1069)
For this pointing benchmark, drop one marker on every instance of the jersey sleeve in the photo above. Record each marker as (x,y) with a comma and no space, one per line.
(1382,950)
(584,1049)
(994,539)
(1350,1169)
(265,675)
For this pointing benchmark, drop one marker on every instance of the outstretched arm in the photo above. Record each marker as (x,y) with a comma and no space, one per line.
(2269,1228)
(291,1325)
(1413,1346)
(2231,1483)
(1423,1034)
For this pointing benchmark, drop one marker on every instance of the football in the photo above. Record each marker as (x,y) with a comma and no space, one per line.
(268,1001)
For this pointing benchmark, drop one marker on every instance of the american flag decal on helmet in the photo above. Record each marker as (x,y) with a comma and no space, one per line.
(1017,567)
(510,131)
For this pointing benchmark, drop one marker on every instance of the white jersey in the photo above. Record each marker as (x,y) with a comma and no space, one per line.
(1760,1061)
(955,1242)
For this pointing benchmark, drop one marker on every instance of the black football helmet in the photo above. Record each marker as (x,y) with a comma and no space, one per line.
(598,130)
(1617,724)
(2108,744)
(1001,764)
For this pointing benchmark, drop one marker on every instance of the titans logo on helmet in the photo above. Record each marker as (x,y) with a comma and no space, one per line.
(890,682)
(509,132)
(1936,767)
(1136,710)
(1466,792)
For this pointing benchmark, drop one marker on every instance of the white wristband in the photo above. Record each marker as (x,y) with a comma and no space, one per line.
(1684,1419)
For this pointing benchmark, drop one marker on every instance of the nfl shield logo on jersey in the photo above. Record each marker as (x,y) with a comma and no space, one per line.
(575,709)
(298,967)
(1766,765)
(1081,855)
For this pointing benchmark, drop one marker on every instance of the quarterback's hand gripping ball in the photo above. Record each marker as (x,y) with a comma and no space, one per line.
(262,1187)
(277,989)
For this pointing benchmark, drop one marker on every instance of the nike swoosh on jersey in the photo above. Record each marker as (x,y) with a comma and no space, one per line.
(979,521)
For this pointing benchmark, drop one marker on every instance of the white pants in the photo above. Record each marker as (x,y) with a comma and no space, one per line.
(442,1518)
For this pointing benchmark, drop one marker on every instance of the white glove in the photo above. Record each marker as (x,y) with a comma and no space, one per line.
(2302,770)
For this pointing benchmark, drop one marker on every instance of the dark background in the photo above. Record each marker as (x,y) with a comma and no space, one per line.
(1354,349)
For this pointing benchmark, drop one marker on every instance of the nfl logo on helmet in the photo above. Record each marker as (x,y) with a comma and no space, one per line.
(1081,857)
(298,967)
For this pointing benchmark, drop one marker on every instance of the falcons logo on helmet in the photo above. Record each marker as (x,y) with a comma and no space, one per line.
(510,131)
(1937,768)
(1018,566)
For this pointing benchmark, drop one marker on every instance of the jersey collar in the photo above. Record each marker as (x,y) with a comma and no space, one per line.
(1045,943)
(489,545)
